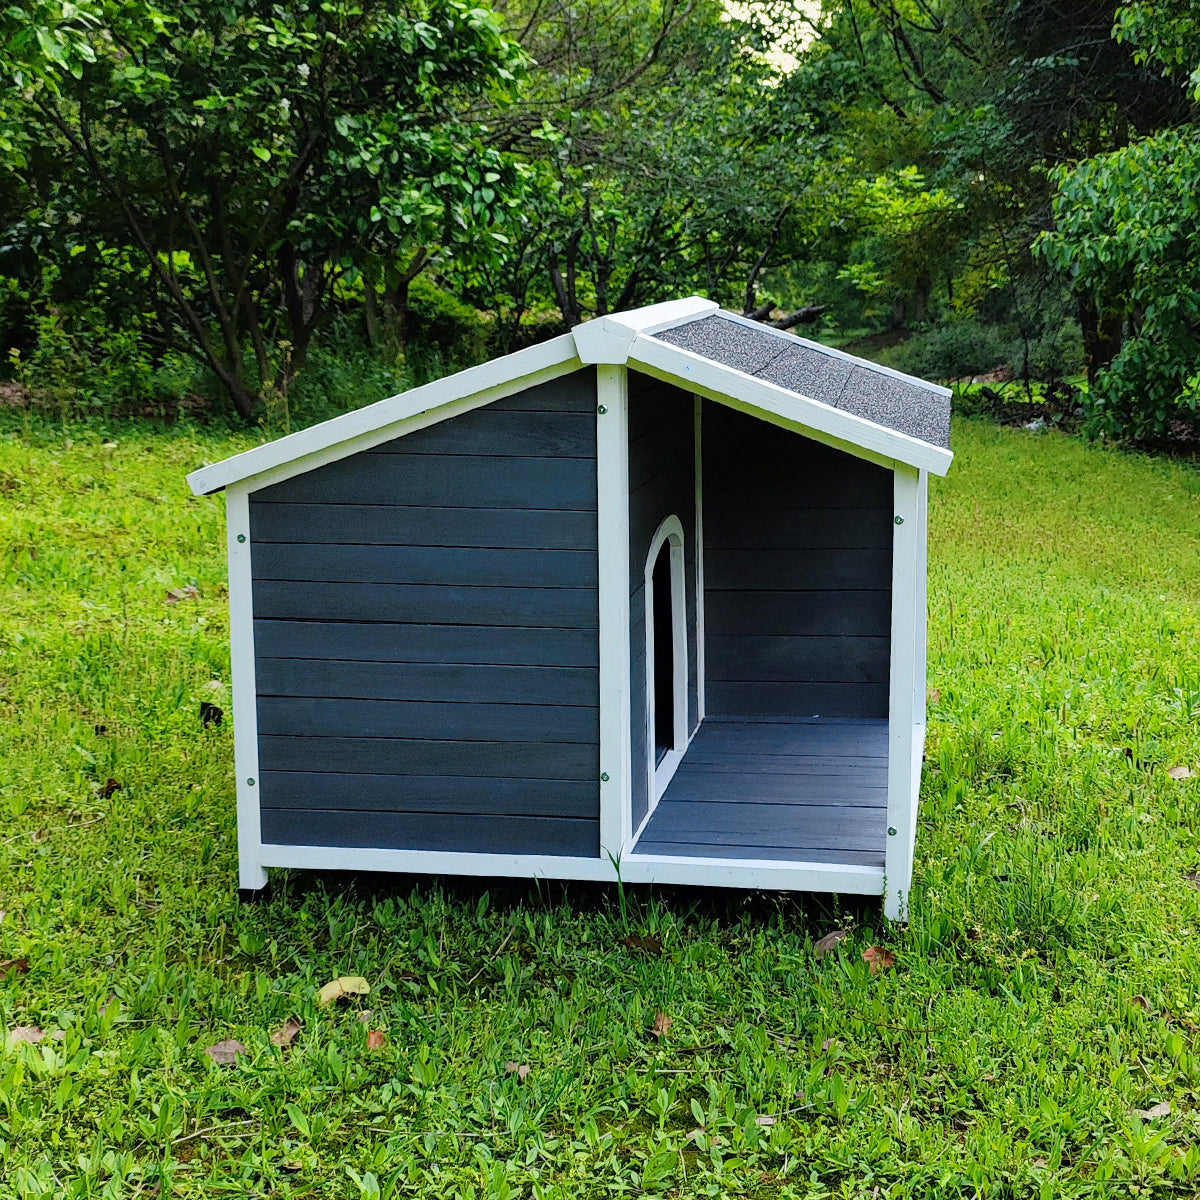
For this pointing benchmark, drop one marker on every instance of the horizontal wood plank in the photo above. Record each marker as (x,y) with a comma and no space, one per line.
(824,738)
(409,525)
(295,716)
(507,759)
(448,682)
(431,831)
(560,608)
(443,480)
(382,642)
(463,794)
(720,851)
(737,526)
(844,790)
(800,826)
(797,699)
(772,569)
(505,567)
(829,613)
(749,658)
(500,432)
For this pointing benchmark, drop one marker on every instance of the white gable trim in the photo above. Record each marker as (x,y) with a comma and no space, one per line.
(387,419)
(608,339)
(852,433)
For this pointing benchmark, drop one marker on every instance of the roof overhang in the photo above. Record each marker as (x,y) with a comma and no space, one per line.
(621,339)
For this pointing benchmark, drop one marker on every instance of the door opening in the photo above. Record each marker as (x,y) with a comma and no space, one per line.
(664,655)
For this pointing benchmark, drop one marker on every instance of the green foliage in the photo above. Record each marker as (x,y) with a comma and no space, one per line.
(954,350)
(1128,231)
(1006,1053)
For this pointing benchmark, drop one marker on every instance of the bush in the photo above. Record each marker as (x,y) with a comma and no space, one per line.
(955,350)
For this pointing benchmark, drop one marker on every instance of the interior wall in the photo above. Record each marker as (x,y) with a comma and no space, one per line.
(797,573)
(662,482)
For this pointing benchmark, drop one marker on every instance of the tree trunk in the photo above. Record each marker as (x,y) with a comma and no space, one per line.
(1102,330)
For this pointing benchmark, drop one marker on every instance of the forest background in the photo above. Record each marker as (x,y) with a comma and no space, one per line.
(281,210)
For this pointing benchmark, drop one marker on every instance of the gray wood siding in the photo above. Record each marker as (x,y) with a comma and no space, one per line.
(662,482)
(427,659)
(797,573)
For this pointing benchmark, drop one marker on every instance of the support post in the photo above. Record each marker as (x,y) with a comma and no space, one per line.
(902,710)
(252,876)
(612,495)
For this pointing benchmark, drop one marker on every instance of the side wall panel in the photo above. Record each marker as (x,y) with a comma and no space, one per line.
(662,482)
(797,574)
(426,643)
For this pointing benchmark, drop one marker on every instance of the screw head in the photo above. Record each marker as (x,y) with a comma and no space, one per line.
(891,831)
(602,409)
(603,776)
(899,520)
(250,782)
(241,537)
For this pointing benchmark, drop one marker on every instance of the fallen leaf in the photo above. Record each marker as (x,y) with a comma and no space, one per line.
(765,1122)
(40,835)
(1193,877)
(111,786)
(225,1053)
(1159,1110)
(189,592)
(827,943)
(661,1024)
(828,1044)
(1142,1002)
(59,1035)
(291,1166)
(519,1069)
(14,966)
(934,695)
(644,944)
(365,1015)
(694,1135)
(1180,772)
(344,985)
(210,714)
(30,1034)
(377,1039)
(878,959)
(286,1033)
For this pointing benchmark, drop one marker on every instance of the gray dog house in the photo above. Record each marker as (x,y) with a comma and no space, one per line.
(650,593)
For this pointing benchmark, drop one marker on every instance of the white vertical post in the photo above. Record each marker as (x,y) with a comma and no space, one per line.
(612,502)
(700,708)
(921,680)
(252,876)
(898,864)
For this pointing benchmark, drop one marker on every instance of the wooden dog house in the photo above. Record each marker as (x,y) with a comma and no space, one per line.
(650,593)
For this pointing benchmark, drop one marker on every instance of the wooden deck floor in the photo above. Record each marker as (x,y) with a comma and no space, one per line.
(811,791)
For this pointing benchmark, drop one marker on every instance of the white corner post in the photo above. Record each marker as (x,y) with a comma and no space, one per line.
(907,593)
(252,875)
(612,513)
(921,681)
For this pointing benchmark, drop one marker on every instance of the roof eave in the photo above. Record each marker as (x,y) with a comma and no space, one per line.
(715,380)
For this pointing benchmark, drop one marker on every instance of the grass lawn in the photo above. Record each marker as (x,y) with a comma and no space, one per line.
(1046,992)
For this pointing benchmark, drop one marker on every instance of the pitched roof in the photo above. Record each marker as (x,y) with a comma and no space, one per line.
(848,402)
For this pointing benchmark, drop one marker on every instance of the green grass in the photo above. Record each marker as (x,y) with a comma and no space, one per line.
(1003,1056)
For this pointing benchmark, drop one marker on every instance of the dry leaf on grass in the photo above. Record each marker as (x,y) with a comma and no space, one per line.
(933,696)
(1159,1110)
(878,959)
(1179,772)
(516,1068)
(286,1033)
(40,835)
(110,788)
(828,1044)
(764,1121)
(344,985)
(661,1024)
(14,966)
(644,943)
(376,1039)
(30,1034)
(827,943)
(1141,1002)
(225,1053)
(190,592)
(1193,877)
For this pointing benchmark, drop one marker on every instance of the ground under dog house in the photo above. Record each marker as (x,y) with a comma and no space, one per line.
(652,592)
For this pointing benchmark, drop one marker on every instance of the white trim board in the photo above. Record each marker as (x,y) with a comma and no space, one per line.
(769,874)
(769,401)
(387,419)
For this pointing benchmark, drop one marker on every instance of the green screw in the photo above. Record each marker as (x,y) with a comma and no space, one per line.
(899,520)
(250,782)
(241,537)
(891,831)
(603,776)
(602,409)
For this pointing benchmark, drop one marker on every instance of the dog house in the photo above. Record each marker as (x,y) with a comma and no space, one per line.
(648,597)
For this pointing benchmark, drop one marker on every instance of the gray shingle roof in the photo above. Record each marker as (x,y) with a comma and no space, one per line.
(850,384)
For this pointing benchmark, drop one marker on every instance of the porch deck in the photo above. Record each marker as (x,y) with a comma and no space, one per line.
(795,791)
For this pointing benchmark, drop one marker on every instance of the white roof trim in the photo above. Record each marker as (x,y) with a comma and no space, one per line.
(376,423)
(715,380)
(607,339)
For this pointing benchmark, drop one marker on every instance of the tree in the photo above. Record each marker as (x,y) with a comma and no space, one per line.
(256,156)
